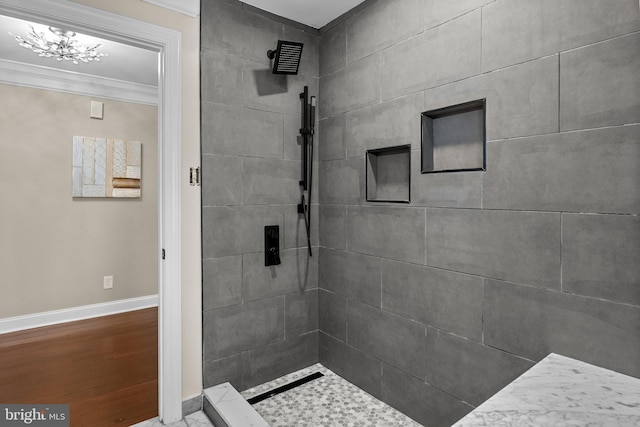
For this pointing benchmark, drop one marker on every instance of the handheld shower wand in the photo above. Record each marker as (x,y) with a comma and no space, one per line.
(307,131)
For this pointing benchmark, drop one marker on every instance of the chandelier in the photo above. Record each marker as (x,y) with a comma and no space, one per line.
(61,45)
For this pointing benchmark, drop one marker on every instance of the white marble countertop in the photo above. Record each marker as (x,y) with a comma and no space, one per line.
(560,391)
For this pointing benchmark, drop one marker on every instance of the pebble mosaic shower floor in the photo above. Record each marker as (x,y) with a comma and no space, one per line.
(328,401)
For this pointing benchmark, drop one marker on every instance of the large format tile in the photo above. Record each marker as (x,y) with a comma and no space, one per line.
(441,11)
(441,55)
(601,256)
(468,370)
(566,172)
(355,366)
(266,363)
(584,22)
(237,230)
(523,100)
(342,181)
(351,87)
(231,330)
(221,76)
(221,180)
(385,125)
(270,181)
(301,313)
(422,402)
(278,93)
(523,247)
(354,276)
(383,24)
(292,149)
(221,282)
(297,273)
(520,100)
(332,141)
(332,309)
(439,298)
(446,190)
(333,226)
(457,92)
(227,369)
(388,232)
(333,49)
(241,131)
(516,31)
(295,231)
(600,84)
(381,334)
(230,29)
(534,322)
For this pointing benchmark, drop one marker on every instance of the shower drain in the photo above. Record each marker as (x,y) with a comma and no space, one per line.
(267,394)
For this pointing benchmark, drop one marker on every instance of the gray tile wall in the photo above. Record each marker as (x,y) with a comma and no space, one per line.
(259,322)
(431,306)
(435,305)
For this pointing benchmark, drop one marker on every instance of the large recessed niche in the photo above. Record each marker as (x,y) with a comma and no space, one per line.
(453,138)
(388,177)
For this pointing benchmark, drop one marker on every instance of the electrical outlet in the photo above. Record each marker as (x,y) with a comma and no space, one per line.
(108,282)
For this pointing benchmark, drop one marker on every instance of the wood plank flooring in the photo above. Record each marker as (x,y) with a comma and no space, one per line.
(105,369)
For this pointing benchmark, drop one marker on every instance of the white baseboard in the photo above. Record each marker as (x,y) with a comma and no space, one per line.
(36,320)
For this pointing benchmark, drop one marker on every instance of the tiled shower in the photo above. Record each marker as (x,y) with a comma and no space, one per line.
(432,305)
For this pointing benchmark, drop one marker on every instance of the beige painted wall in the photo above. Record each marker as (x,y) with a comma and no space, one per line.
(191,256)
(55,249)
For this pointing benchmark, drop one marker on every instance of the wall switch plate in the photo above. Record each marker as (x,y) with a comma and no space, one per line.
(97,110)
(108,282)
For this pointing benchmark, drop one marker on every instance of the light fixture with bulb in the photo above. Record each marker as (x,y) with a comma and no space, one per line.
(61,45)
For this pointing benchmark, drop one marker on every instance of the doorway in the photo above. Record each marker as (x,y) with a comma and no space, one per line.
(167,43)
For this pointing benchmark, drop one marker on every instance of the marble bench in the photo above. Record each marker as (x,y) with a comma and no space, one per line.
(225,407)
(560,391)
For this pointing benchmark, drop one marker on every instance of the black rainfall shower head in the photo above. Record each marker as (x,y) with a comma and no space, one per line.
(286,57)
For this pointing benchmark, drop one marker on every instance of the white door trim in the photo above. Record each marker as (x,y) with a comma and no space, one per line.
(168,42)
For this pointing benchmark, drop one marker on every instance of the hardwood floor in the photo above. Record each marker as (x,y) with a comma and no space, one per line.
(105,369)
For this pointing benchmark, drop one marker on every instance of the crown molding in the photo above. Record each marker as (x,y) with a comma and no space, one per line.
(21,74)
(186,7)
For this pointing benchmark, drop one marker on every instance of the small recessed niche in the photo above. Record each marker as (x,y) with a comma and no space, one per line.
(453,138)
(388,177)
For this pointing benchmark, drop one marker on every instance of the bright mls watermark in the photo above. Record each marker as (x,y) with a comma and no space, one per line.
(34,415)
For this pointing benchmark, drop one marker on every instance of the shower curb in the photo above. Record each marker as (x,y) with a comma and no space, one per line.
(225,407)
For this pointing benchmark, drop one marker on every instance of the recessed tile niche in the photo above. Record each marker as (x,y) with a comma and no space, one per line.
(388,177)
(453,138)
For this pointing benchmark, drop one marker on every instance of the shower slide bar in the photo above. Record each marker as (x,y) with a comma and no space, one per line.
(307,132)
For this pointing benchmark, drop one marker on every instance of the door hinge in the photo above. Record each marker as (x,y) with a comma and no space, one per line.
(194,176)
(163,254)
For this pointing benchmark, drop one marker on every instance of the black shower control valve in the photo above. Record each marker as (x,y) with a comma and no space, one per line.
(271,245)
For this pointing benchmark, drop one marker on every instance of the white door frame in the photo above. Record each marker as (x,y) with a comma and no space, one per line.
(168,42)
